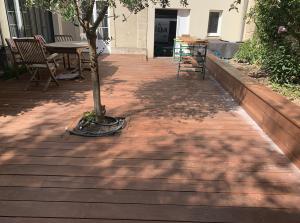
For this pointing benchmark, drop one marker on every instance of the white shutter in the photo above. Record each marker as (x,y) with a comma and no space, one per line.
(183,22)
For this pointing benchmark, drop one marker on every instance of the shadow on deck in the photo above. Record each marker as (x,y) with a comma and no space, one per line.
(188,154)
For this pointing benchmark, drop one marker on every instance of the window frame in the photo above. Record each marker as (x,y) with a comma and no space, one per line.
(218,33)
(101,28)
(28,22)
(12,14)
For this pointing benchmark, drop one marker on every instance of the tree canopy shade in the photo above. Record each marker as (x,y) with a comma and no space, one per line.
(82,10)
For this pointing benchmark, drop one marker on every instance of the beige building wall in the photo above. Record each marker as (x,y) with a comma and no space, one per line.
(232,22)
(3,21)
(137,33)
(128,36)
(249,27)
(62,27)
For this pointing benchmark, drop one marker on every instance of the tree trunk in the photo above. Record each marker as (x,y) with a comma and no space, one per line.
(98,107)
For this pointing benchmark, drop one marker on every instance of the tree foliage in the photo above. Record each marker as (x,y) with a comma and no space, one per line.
(82,9)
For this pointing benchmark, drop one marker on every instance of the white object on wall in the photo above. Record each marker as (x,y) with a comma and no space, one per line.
(183,22)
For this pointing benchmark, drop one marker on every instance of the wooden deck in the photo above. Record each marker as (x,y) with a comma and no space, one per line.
(188,154)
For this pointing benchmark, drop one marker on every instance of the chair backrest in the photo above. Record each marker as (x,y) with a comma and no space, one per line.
(16,57)
(63,38)
(31,50)
(41,39)
(11,45)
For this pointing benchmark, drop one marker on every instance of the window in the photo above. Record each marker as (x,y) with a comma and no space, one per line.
(27,22)
(214,23)
(27,30)
(102,31)
(12,20)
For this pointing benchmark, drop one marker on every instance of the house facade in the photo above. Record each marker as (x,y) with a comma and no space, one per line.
(150,32)
(206,19)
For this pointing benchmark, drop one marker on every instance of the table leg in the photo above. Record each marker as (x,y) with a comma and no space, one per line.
(79,64)
(69,66)
(64,60)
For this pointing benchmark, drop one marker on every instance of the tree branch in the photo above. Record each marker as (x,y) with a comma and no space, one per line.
(89,11)
(100,17)
(78,12)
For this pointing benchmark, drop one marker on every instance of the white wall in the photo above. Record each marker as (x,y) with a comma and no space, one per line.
(137,33)
(231,24)
(62,27)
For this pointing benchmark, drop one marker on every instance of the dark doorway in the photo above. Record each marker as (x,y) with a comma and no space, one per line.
(165,32)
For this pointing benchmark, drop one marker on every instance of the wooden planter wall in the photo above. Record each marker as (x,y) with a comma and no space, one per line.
(278,117)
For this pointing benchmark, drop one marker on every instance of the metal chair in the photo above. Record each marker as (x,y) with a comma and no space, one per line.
(34,57)
(193,62)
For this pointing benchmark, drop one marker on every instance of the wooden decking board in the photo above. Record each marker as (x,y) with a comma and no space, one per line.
(141,162)
(209,158)
(267,188)
(76,220)
(66,152)
(39,138)
(199,145)
(144,212)
(163,143)
(219,199)
(205,133)
(133,173)
(188,154)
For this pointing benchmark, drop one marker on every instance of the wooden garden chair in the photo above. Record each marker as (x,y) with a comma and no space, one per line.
(34,57)
(16,57)
(63,38)
(43,43)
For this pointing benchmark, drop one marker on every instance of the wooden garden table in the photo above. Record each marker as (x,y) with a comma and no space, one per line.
(70,47)
(186,42)
(192,40)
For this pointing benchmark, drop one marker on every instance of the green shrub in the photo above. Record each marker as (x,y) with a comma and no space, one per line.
(282,65)
(277,51)
(89,116)
(249,52)
(291,91)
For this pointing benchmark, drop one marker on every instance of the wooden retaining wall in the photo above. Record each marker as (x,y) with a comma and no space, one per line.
(278,117)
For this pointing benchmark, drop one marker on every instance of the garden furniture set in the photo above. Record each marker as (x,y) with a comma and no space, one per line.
(36,54)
